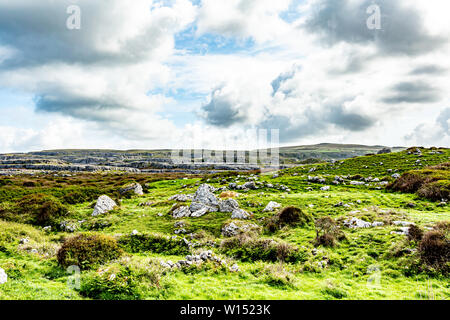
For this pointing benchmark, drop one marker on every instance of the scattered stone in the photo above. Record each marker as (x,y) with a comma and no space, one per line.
(240,214)
(396,176)
(104,204)
(271,206)
(234,268)
(68,227)
(403,223)
(181,212)
(181,197)
(146,204)
(325,188)
(355,223)
(377,224)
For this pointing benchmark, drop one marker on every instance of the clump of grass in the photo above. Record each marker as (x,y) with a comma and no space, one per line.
(332,289)
(250,248)
(277,276)
(434,250)
(88,250)
(289,216)
(124,280)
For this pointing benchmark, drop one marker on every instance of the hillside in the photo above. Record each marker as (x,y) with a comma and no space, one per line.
(225,235)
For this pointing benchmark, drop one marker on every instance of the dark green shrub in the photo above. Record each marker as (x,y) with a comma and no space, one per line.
(415,233)
(154,243)
(37,209)
(326,240)
(88,250)
(435,191)
(434,250)
(289,216)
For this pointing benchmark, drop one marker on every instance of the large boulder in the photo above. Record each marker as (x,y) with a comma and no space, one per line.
(135,188)
(104,204)
(3,276)
(204,197)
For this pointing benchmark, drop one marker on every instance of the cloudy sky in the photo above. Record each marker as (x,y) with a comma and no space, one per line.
(162,74)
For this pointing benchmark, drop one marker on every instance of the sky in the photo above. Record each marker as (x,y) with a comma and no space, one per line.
(146,74)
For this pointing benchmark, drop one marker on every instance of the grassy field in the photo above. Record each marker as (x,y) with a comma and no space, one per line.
(363,263)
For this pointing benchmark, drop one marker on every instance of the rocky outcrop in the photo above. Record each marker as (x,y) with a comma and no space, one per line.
(205,198)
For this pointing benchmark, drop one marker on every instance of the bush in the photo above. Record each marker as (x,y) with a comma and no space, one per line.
(415,233)
(327,232)
(326,240)
(113,283)
(432,183)
(289,216)
(435,191)
(434,250)
(88,250)
(37,209)
(156,243)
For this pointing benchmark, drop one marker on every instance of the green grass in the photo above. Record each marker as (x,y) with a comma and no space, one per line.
(353,267)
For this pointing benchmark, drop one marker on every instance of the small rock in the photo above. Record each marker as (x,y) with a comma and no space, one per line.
(240,214)
(272,205)
(234,268)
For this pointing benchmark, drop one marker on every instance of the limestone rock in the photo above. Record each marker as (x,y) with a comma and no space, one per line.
(135,187)
(240,214)
(355,223)
(104,204)
(181,212)
(271,206)
(228,205)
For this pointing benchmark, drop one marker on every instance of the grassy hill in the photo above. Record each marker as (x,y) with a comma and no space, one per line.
(288,261)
